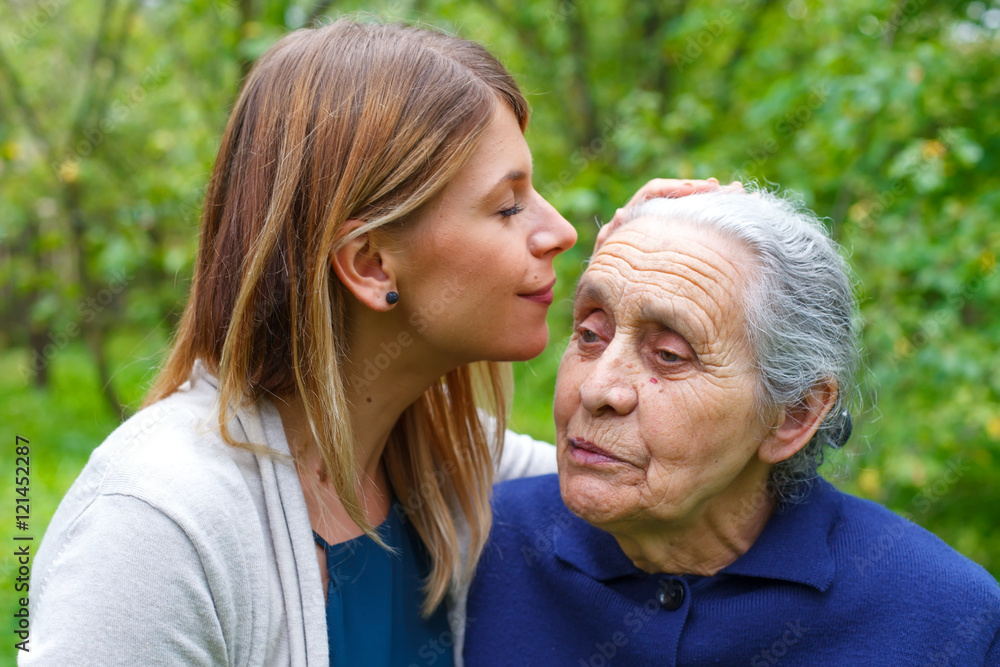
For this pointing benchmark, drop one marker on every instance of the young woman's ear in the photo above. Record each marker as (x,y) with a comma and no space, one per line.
(797,424)
(359,266)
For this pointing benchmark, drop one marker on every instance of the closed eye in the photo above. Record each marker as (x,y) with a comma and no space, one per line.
(512,211)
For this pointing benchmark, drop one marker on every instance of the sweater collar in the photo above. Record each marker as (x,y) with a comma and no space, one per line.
(792,547)
(200,372)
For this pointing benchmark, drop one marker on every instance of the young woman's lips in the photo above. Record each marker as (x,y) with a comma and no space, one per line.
(542,296)
(585,452)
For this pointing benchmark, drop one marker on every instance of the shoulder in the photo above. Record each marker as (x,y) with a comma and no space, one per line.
(527,513)
(894,563)
(167,516)
(527,501)
(878,539)
(168,454)
(170,459)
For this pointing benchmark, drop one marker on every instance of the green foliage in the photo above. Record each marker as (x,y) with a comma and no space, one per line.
(878,114)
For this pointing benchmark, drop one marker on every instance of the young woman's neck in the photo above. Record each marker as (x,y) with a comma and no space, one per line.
(386,375)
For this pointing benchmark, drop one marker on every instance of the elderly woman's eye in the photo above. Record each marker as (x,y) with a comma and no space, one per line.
(668,356)
(588,336)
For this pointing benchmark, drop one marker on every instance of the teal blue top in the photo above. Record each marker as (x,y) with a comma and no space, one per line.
(374,598)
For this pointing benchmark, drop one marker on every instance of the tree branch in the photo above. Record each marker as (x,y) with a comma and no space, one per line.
(94,330)
(20,100)
(115,55)
(736,56)
(90,94)
(580,85)
(246,18)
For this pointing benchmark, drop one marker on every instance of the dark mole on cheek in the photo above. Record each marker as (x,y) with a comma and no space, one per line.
(369,399)
(654,380)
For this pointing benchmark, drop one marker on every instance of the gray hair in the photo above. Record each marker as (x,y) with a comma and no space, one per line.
(803,326)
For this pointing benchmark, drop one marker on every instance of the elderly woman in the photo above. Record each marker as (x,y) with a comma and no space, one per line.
(711,364)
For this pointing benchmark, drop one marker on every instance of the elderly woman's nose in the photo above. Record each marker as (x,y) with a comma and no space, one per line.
(609,386)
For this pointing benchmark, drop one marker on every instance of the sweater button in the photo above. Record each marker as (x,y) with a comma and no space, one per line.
(671,594)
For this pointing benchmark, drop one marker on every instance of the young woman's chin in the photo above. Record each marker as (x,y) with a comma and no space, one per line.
(521,344)
(534,340)
(535,348)
(527,348)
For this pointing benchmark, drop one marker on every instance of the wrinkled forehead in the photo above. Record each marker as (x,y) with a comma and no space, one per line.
(651,264)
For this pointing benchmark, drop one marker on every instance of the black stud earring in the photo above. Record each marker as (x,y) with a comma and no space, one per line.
(392,297)
(844,432)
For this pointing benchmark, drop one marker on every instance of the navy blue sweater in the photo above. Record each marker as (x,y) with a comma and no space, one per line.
(834,580)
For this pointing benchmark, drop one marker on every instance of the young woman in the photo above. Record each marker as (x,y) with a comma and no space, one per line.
(371,246)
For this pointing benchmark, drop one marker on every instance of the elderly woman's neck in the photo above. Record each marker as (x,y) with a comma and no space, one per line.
(725,529)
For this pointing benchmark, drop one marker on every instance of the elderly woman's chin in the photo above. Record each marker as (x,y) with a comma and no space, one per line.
(620,496)
(592,497)
(597,488)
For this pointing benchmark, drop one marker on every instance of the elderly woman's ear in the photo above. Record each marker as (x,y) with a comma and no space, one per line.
(796,425)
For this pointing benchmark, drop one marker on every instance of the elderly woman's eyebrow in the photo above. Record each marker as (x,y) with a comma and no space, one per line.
(659,312)
(589,291)
(669,317)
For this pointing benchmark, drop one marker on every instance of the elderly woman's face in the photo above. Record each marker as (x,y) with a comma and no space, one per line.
(654,401)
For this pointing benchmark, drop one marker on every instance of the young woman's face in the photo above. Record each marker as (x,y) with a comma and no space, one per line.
(476,277)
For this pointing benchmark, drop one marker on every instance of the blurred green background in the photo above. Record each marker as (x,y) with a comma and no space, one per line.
(882,115)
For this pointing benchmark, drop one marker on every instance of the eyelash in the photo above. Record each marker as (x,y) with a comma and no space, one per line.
(512,211)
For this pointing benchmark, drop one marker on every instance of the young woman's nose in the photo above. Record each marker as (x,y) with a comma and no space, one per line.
(553,234)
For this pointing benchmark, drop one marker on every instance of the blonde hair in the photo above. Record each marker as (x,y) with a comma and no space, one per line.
(349,121)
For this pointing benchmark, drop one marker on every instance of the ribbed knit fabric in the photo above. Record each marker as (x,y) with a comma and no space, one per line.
(833,580)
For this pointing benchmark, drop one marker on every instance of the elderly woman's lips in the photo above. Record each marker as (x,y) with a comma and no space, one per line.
(586,452)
